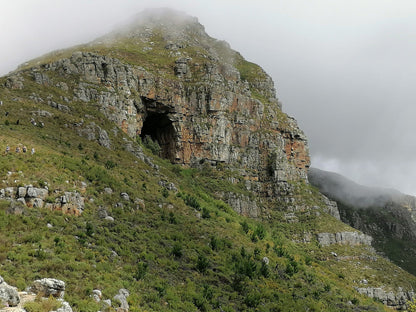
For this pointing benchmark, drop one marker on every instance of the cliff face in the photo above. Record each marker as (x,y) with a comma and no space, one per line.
(164,77)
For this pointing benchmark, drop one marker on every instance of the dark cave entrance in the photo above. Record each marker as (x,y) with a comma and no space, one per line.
(160,128)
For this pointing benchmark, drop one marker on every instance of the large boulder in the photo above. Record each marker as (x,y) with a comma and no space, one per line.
(8,294)
(121,297)
(49,287)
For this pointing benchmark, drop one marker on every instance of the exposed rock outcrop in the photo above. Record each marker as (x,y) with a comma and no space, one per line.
(44,288)
(64,308)
(344,238)
(396,300)
(29,196)
(8,294)
(49,287)
(243,205)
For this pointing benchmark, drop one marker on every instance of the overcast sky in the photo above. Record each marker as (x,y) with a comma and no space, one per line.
(345,70)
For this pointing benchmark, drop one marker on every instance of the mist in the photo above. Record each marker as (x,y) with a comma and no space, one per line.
(343,69)
(352,194)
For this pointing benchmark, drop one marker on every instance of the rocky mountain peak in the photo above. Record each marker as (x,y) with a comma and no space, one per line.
(162,77)
(171,26)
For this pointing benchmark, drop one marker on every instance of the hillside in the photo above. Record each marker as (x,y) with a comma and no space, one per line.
(164,165)
(387,215)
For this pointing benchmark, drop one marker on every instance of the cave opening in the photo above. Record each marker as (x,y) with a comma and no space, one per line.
(160,129)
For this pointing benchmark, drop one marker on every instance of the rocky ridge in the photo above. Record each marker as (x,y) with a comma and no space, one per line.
(34,197)
(385,214)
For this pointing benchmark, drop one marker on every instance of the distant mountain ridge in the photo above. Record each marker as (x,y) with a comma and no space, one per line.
(386,214)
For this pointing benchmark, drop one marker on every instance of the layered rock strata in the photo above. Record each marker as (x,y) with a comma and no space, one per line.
(200,100)
(29,196)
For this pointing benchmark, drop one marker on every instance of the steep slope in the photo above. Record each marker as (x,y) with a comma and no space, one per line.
(387,215)
(152,146)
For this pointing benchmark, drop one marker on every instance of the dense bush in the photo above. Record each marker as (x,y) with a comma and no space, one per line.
(152,145)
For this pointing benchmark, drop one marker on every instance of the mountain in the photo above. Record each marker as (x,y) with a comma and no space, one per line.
(385,214)
(165,177)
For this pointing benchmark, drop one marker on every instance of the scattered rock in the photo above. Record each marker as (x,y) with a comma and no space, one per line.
(102,213)
(106,304)
(121,297)
(49,287)
(64,308)
(125,196)
(96,295)
(16,207)
(108,190)
(14,82)
(140,203)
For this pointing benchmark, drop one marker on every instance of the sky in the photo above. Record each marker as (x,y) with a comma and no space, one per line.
(345,70)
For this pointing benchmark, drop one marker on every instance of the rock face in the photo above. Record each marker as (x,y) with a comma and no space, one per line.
(121,297)
(8,294)
(200,100)
(218,120)
(344,238)
(396,300)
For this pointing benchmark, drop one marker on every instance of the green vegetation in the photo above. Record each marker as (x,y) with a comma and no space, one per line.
(41,305)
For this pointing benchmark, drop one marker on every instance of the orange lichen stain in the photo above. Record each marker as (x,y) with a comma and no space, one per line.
(124,126)
(234,105)
(151,94)
(297,152)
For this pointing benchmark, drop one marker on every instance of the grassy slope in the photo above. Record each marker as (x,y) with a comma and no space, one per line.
(167,257)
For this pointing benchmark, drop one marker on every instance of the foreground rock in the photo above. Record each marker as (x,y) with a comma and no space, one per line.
(8,294)
(49,287)
(121,297)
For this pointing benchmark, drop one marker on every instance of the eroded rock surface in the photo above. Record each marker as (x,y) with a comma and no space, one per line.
(33,197)
(49,287)
(344,238)
(8,294)
(394,299)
